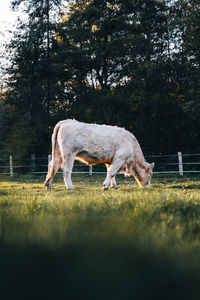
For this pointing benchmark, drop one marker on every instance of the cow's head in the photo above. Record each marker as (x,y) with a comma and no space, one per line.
(143,175)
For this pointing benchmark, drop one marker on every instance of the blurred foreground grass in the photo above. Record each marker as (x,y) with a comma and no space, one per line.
(129,243)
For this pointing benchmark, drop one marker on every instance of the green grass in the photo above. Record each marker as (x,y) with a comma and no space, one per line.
(129,243)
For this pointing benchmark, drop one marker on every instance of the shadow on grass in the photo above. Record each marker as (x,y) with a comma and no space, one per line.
(102,269)
(194,186)
(3,193)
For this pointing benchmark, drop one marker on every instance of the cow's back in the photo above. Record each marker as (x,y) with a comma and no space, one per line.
(93,143)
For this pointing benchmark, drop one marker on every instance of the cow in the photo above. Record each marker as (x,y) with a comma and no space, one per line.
(94,144)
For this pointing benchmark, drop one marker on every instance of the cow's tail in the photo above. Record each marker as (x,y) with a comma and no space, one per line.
(55,152)
(55,146)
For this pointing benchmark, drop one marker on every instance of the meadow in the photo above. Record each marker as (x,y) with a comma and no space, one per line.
(87,243)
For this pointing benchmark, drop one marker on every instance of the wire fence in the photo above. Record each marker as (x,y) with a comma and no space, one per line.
(164,164)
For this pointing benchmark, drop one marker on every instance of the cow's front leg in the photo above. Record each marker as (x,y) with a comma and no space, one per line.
(111,172)
(67,166)
(113,183)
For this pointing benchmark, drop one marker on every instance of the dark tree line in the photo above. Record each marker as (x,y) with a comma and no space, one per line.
(132,63)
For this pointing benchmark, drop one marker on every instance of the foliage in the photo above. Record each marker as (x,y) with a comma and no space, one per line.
(133,64)
(31,76)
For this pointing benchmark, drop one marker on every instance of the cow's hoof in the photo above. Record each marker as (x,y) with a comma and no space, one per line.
(115,187)
(48,188)
(47,185)
(104,188)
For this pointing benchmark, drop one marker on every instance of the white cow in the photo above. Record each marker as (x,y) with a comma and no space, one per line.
(94,144)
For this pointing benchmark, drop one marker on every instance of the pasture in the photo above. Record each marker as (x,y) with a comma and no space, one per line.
(129,243)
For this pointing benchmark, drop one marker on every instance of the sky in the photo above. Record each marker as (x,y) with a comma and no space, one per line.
(7,19)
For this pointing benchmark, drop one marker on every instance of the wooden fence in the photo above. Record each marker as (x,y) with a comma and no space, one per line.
(164,164)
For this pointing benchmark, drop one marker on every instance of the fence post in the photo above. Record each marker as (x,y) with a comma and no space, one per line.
(90,170)
(180,162)
(33,166)
(11,166)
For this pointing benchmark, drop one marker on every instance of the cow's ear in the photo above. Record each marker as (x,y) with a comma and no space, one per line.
(151,166)
(147,167)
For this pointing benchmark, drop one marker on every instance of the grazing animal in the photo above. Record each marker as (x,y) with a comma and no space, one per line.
(94,144)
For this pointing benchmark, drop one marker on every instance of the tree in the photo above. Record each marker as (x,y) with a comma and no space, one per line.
(187,60)
(132,63)
(6,113)
(104,43)
(31,81)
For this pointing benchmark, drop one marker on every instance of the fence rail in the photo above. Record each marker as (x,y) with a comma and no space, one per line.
(164,164)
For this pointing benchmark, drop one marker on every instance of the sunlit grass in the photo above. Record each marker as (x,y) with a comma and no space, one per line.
(126,237)
(168,213)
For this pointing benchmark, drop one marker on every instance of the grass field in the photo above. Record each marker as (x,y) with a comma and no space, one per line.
(129,243)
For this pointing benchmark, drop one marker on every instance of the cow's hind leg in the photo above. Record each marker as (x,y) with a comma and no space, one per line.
(68,162)
(53,168)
